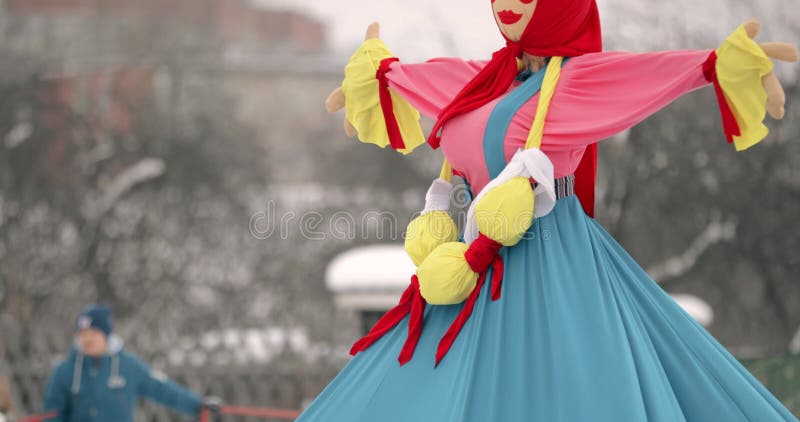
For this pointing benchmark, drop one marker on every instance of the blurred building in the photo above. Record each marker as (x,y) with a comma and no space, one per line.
(103,57)
(237,23)
(86,73)
(369,280)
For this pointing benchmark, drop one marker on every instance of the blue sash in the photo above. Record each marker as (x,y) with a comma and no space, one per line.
(500,119)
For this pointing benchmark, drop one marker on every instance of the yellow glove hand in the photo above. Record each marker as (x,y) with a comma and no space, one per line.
(335,100)
(776,97)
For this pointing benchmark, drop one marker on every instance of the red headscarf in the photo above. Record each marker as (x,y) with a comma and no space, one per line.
(558,28)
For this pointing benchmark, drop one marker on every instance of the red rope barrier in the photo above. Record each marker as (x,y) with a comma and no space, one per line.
(38,418)
(205,414)
(255,412)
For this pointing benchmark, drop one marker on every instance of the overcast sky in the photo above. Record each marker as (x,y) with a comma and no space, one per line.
(412,28)
(421,29)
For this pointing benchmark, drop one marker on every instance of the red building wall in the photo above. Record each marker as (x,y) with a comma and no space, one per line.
(230,20)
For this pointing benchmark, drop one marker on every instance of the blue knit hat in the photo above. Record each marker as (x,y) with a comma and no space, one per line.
(97,317)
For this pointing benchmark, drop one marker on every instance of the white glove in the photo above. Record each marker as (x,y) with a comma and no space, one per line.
(438,196)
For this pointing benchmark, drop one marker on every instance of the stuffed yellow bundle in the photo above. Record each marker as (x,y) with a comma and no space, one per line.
(434,226)
(428,231)
(503,215)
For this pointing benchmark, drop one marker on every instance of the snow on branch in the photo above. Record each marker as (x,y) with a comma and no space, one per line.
(676,266)
(143,171)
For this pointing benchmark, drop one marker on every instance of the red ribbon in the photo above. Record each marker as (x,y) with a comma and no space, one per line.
(411,302)
(414,323)
(39,418)
(585,176)
(256,412)
(392,128)
(455,328)
(481,254)
(729,123)
(497,277)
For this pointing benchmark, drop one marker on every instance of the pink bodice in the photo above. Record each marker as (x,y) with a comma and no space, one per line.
(598,95)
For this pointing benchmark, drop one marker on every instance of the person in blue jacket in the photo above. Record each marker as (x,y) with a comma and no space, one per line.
(100,381)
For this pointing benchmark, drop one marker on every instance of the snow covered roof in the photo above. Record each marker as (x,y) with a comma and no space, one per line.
(372,278)
(370,268)
(699,309)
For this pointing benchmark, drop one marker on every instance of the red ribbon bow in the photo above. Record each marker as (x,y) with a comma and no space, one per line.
(411,302)
(481,255)
(392,128)
(729,123)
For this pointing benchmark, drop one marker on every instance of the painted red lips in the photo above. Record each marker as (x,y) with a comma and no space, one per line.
(508,17)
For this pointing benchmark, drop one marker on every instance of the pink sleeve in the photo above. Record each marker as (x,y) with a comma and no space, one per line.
(430,86)
(602,94)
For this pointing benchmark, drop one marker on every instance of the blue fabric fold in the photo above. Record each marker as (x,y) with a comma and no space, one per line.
(581,333)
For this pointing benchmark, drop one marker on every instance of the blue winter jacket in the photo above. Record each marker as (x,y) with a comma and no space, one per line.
(107,389)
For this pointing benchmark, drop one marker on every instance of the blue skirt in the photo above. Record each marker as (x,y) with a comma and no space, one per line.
(581,333)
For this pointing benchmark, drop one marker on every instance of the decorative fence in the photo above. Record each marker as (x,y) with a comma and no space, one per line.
(28,360)
(242,386)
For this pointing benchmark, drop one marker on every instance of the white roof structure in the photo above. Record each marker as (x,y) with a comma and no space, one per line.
(698,308)
(373,277)
(369,277)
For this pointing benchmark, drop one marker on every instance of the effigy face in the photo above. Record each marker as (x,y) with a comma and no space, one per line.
(513,16)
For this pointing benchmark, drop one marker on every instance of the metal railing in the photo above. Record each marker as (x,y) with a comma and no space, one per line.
(252,412)
(207,415)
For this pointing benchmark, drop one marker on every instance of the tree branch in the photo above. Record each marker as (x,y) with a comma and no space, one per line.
(143,171)
(676,266)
